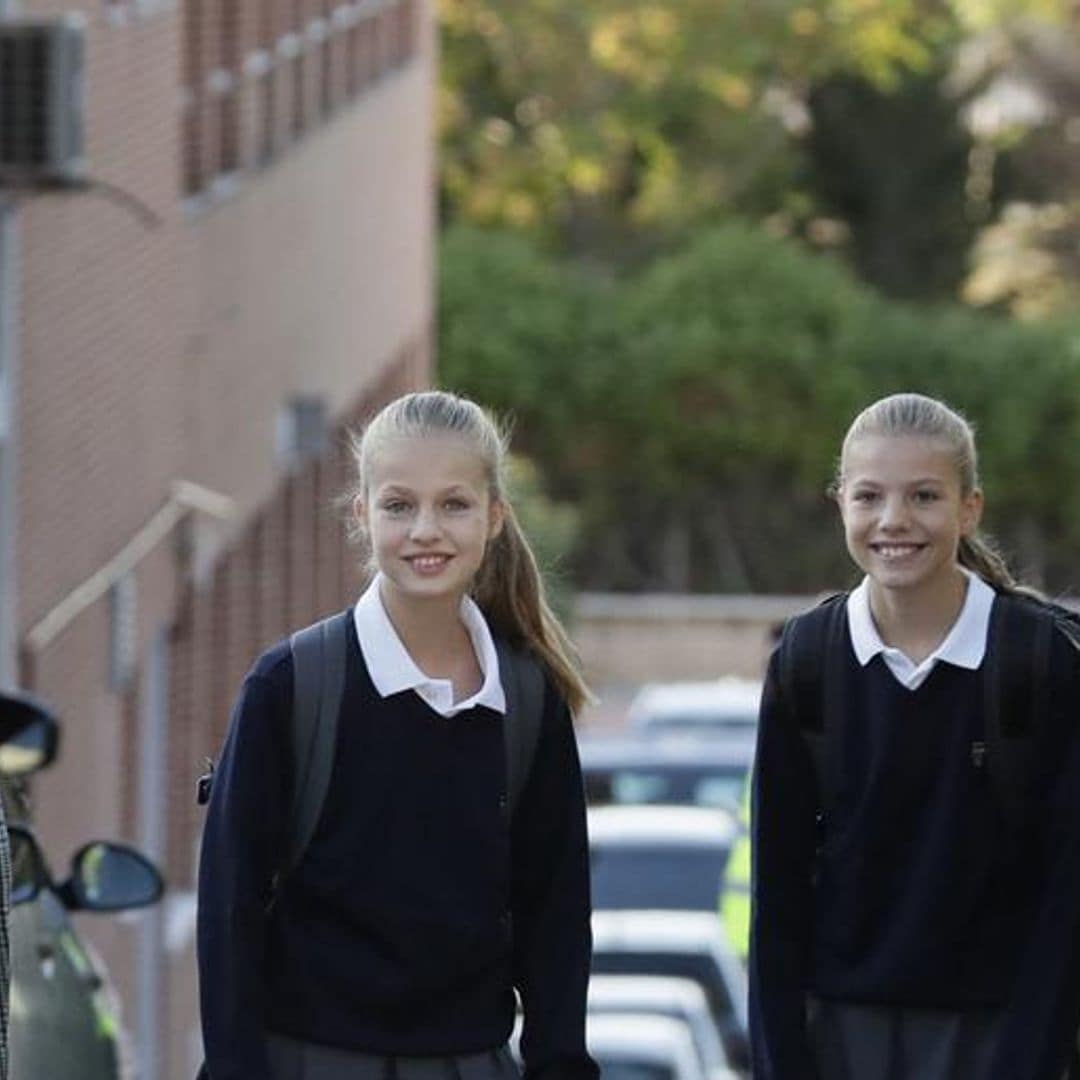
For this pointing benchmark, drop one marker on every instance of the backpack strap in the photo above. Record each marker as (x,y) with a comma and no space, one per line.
(1015,685)
(810,678)
(318,656)
(523,683)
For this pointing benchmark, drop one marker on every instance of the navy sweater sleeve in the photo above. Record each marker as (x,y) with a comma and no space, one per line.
(1040,1020)
(783,847)
(244,825)
(551,904)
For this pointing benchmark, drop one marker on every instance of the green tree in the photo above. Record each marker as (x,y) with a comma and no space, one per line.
(612,125)
(615,128)
(692,412)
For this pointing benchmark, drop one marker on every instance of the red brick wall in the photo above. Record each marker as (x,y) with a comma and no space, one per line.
(152,355)
(100,307)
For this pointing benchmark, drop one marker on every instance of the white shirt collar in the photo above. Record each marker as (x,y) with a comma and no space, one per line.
(393,670)
(964,645)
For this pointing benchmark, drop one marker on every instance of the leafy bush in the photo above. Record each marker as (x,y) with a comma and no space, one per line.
(693,412)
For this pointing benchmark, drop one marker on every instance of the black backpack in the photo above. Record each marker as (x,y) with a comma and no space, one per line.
(318,656)
(1016,684)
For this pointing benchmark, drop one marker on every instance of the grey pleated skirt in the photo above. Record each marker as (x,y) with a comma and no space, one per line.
(293,1060)
(867,1042)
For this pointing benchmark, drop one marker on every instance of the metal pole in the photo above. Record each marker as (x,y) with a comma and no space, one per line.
(153,826)
(9,357)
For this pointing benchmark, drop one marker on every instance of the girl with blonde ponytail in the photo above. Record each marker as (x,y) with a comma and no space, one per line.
(917,889)
(429,895)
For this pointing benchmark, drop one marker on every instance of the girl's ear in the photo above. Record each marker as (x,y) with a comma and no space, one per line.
(971,512)
(359,509)
(835,493)
(496,518)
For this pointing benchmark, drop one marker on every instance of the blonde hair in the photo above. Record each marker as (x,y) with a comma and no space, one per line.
(508,587)
(925,417)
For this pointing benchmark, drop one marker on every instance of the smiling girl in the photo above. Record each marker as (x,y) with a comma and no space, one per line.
(393,950)
(910,922)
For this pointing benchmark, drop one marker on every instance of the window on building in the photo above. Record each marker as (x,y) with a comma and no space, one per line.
(259,74)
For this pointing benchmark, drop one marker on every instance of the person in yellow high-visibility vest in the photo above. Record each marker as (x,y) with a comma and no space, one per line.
(735,891)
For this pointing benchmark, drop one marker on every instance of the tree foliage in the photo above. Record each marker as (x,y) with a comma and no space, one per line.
(692,411)
(613,120)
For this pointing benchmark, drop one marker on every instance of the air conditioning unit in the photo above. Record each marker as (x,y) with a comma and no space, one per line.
(41,101)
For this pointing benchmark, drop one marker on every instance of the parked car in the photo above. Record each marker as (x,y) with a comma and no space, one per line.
(680,999)
(659,857)
(707,707)
(676,769)
(63,1020)
(632,1046)
(684,944)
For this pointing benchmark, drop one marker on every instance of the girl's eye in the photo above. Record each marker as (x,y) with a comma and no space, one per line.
(396,506)
(864,496)
(456,505)
(926,496)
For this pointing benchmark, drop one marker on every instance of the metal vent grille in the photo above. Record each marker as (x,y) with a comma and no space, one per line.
(41,101)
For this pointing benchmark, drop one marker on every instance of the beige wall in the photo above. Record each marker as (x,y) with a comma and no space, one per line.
(310,280)
(150,355)
(628,640)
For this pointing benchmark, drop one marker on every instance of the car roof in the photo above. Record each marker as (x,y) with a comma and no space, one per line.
(679,826)
(731,748)
(645,991)
(688,931)
(727,698)
(672,932)
(641,1036)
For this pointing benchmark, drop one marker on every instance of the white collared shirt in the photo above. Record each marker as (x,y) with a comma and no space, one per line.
(964,644)
(393,670)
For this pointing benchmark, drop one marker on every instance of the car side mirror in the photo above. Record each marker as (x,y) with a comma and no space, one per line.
(111,877)
(29,735)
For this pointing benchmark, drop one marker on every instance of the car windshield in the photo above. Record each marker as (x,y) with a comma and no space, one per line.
(697,721)
(614,1069)
(684,786)
(700,967)
(630,876)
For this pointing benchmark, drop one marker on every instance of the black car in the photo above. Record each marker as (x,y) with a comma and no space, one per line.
(63,1023)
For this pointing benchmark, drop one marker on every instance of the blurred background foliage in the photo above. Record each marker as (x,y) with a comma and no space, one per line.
(686,241)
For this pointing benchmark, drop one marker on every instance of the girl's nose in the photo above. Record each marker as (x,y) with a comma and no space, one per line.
(425,524)
(893,512)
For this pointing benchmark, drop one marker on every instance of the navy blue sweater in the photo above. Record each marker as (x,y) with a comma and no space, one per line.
(922,894)
(418,906)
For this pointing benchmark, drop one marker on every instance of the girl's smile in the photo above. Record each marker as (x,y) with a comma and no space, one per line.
(428,565)
(893,551)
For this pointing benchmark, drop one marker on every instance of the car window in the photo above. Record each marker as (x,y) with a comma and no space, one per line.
(633,1070)
(633,788)
(722,791)
(633,876)
(698,721)
(719,786)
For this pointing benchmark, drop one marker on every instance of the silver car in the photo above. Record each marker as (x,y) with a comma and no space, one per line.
(63,1017)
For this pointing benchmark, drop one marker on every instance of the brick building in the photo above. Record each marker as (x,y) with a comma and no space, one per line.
(181,340)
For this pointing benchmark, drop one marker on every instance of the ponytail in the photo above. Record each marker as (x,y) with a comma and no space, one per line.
(981,556)
(509,590)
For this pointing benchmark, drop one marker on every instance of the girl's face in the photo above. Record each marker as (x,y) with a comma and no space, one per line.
(904,512)
(429,514)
